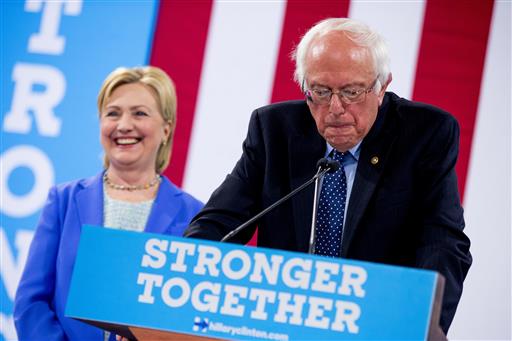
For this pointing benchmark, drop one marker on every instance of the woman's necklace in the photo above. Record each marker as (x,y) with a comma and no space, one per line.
(112,185)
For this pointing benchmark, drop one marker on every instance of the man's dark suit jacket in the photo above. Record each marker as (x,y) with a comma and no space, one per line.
(403,210)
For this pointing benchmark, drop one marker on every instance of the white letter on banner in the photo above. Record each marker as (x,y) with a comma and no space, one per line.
(154,248)
(301,279)
(346,313)
(322,281)
(210,302)
(40,165)
(286,307)
(261,264)
(317,307)
(48,41)
(12,268)
(228,269)
(261,297)
(148,280)
(231,300)
(40,102)
(181,248)
(180,300)
(355,277)
(208,256)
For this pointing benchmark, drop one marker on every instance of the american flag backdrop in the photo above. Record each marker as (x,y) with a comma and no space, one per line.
(229,57)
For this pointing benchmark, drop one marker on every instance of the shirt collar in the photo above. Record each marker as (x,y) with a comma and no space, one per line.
(354,151)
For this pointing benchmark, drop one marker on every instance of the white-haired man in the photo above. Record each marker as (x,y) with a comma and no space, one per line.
(397,202)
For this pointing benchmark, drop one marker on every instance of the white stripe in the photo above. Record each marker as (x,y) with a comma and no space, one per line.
(400,23)
(484,311)
(238,75)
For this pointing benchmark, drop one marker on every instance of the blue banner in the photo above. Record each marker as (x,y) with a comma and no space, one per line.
(54,57)
(239,292)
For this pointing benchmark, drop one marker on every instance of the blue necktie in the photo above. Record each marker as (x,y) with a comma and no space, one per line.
(331,210)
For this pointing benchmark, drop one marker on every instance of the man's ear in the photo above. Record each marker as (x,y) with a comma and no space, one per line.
(384,87)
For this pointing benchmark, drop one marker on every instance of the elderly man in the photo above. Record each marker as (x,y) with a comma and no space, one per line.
(395,198)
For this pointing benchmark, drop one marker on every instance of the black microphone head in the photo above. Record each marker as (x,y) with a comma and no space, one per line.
(331,165)
(322,163)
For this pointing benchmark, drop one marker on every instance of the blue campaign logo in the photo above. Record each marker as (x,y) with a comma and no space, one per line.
(200,324)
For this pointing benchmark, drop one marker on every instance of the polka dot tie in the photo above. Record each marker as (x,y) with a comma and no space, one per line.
(331,210)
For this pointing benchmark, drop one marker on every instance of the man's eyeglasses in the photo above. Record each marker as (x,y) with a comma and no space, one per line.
(350,95)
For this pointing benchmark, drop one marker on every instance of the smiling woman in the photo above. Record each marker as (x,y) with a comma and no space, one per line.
(137,109)
(137,114)
(132,130)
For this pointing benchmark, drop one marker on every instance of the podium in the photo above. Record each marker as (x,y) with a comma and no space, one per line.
(157,287)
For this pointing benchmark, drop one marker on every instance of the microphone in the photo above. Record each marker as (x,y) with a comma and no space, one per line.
(332,165)
(323,165)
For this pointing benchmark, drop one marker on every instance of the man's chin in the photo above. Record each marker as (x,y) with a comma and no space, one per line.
(341,144)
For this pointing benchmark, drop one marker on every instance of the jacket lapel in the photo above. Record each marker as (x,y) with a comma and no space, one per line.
(89,201)
(378,144)
(162,214)
(305,149)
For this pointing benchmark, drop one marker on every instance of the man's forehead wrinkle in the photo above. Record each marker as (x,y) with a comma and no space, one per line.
(334,51)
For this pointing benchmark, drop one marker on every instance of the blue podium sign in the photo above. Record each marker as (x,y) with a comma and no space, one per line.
(237,292)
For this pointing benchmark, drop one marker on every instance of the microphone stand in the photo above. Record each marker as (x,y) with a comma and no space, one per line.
(316,198)
(324,166)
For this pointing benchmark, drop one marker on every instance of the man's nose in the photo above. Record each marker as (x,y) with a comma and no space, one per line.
(336,105)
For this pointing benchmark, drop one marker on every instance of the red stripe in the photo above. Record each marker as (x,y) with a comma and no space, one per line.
(450,64)
(178,48)
(300,16)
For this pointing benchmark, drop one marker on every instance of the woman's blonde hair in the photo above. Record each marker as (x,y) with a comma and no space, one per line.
(164,93)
